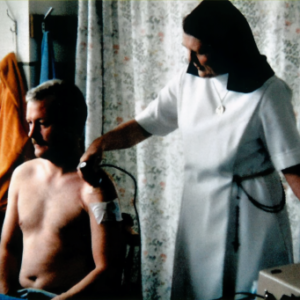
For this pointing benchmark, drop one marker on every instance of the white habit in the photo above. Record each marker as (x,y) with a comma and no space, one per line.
(216,244)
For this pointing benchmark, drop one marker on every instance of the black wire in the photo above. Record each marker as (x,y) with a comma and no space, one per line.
(270,209)
(136,212)
(135,191)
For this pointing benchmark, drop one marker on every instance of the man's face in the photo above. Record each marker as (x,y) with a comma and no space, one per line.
(43,129)
(207,62)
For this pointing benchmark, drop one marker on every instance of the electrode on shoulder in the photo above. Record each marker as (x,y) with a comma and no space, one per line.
(89,174)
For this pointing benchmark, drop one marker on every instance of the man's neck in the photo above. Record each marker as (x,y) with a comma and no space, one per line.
(66,161)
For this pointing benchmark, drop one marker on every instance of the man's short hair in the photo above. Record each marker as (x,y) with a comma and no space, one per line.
(68,103)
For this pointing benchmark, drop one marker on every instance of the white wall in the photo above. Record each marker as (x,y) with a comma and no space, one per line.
(20,12)
(11,42)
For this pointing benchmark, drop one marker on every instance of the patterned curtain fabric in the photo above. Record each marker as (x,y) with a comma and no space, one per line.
(126,52)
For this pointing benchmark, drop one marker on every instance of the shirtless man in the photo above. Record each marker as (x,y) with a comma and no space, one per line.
(55,218)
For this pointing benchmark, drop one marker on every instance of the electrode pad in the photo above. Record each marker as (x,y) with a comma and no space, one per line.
(106,211)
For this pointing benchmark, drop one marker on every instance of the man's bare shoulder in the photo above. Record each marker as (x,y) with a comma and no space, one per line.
(27,169)
(103,193)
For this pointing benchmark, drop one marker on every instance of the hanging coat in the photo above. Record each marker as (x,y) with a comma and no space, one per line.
(13,126)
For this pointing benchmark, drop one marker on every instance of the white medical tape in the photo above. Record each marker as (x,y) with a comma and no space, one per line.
(106,211)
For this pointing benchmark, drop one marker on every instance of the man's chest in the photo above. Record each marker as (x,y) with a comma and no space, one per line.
(52,206)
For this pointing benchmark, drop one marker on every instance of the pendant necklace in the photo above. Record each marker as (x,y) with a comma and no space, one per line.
(221,107)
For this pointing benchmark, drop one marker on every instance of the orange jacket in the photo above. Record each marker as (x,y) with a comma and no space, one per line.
(13,125)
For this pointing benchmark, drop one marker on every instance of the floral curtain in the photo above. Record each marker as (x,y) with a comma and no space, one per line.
(126,52)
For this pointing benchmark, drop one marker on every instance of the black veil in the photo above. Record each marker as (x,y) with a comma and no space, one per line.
(222,26)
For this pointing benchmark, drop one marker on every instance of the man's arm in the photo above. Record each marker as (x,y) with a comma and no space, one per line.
(11,243)
(292,176)
(124,136)
(107,249)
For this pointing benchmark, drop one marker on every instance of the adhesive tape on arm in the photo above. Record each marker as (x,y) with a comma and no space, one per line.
(106,211)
